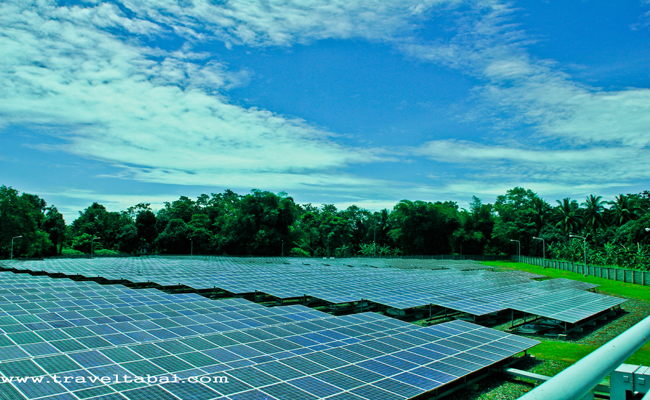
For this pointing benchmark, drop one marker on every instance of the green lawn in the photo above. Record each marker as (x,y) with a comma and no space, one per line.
(572,352)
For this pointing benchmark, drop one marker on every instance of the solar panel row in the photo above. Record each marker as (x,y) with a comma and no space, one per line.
(288,353)
(452,286)
(569,305)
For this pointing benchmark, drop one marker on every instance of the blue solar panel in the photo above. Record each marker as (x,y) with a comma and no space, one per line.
(314,354)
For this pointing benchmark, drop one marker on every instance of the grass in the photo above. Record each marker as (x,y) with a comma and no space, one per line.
(573,352)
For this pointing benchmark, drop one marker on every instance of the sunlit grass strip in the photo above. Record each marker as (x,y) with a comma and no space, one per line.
(572,352)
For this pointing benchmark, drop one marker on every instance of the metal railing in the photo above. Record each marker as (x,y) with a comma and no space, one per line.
(579,379)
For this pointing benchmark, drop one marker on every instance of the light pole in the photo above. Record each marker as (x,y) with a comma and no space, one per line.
(584,250)
(518,249)
(328,246)
(92,245)
(543,250)
(191,247)
(12,245)
(374,241)
(283,248)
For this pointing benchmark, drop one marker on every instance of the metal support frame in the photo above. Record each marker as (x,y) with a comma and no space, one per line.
(442,314)
(578,380)
(543,378)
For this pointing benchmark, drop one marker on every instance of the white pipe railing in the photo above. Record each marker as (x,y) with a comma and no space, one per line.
(579,379)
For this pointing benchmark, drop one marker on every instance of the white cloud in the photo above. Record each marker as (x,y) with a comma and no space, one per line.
(536,92)
(111,102)
(552,132)
(81,74)
(602,166)
(463,151)
(282,22)
(335,183)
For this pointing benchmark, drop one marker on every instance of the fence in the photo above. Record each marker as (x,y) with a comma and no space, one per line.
(88,256)
(615,274)
(453,257)
(450,257)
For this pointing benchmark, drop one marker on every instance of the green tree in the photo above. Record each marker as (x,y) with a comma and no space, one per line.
(54,226)
(22,215)
(593,214)
(145,223)
(96,221)
(174,238)
(359,221)
(199,233)
(633,232)
(424,228)
(259,225)
(539,212)
(515,220)
(566,216)
(623,209)
(305,232)
(127,239)
(476,229)
(334,231)
(83,243)
(183,208)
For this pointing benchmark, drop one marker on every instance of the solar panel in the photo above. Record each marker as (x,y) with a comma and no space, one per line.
(461,286)
(569,305)
(310,355)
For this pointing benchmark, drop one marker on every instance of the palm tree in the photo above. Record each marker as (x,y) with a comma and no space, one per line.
(593,217)
(623,209)
(539,210)
(565,215)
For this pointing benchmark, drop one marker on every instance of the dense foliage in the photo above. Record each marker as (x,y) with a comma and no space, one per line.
(267,224)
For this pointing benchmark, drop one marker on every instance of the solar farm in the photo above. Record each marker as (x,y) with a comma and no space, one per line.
(256,328)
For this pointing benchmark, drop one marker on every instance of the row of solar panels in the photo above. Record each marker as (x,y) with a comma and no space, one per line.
(476,292)
(288,352)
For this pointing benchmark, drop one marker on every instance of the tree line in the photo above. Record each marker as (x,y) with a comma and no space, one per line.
(268,224)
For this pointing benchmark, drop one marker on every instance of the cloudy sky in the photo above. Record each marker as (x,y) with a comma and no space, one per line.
(361,102)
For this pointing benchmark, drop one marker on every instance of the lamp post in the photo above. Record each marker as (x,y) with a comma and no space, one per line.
(92,245)
(12,245)
(374,240)
(191,247)
(543,250)
(518,249)
(328,243)
(584,250)
(283,248)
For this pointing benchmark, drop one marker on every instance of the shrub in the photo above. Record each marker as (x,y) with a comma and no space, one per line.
(71,252)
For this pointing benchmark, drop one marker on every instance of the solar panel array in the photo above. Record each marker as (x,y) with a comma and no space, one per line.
(82,329)
(569,305)
(455,285)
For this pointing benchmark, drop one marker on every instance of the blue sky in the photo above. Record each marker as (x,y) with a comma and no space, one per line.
(344,102)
